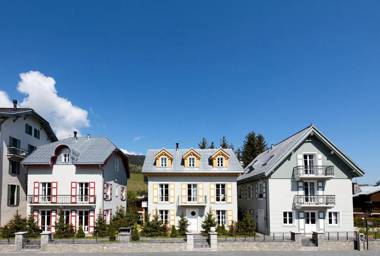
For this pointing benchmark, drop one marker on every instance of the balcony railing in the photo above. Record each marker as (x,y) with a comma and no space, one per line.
(313,172)
(195,200)
(15,152)
(314,201)
(61,199)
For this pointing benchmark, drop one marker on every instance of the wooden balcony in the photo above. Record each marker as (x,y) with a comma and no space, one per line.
(321,201)
(313,172)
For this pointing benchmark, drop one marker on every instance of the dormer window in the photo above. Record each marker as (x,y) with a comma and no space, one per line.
(65,157)
(163,161)
(191,161)
(220,161)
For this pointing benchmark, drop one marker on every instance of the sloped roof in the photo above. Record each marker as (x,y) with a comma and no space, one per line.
(205,166)
(367,190)
(265,163)
(14,112)
(88,151)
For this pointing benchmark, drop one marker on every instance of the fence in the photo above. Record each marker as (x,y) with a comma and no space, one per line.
(339,236)
(279,236)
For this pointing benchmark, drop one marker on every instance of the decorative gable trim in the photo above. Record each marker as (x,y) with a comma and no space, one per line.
(191,153)
(164,153)
(220,153)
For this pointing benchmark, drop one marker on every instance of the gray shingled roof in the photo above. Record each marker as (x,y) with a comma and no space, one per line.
(367,190)
(149,163)
(89,150)
(13,112)
(265,163)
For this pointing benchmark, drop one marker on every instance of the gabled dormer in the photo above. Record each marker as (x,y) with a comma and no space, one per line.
(191,159)
(220,159)
(164,159)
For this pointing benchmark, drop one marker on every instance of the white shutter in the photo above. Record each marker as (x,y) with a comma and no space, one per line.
(300,188)
(319,159)
(299,160)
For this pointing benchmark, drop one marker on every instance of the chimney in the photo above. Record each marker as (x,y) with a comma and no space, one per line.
(176,146)
(75,135)
(15,104)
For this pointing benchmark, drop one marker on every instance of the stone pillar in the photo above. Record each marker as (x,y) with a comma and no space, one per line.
(20,238)
(46,237)
(318,238)
(296,237)
(189,241)
(213,240)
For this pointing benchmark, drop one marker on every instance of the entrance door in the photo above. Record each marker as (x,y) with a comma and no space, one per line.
(310,222)
(192,217)
(45,220)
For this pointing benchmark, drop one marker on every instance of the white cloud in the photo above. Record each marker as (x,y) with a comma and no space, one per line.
(137,138)
(125,151)
(41,95)
(5,102)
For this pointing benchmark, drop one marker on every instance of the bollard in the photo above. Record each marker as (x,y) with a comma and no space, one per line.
(213,240)
(46,237)
(20,238)
(189,241)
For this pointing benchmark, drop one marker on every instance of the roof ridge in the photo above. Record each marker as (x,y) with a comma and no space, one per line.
(294,134)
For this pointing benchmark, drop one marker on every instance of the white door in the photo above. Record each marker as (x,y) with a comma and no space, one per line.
(310,222)
(192,217)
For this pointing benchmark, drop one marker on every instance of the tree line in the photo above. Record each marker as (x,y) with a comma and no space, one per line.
(253,145)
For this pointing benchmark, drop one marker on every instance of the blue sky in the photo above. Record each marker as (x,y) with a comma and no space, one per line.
(152,73)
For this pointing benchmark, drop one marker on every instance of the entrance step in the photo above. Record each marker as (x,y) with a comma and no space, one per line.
(32,245)
(308,242)
(201,241)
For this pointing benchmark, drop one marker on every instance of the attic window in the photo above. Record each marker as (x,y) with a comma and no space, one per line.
(65,157)
(266,162)
(163,161)
(191,161)
(220,161)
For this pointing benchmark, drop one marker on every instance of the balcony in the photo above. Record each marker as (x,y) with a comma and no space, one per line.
(15,153)
(192,201)
(314,201)
(61,200)
(313,172)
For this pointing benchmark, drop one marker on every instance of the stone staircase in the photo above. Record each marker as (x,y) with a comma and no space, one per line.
(201,242)
(308,242)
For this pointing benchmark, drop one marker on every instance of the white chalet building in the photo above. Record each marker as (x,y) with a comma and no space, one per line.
(192,183)
(81,176)
(302,184)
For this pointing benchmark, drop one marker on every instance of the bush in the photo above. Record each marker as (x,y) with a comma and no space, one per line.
(247,225)
(16,224)
(154,227)
(60,226)
(112,233)
(173,232)
(80,233)
(208,223)
(135,233)
(32,227)
(232,229)
(69,231)
(100,226)
(183,223)
(221,230)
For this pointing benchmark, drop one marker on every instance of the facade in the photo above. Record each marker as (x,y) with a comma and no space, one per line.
(302,184)
(367,200)
(21,131)
(82,177)
(192,183)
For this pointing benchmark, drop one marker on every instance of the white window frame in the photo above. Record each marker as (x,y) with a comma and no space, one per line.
(46,191)
(192,192)
(45,216)
(66,157)
(82,222)
(286,217)
(221,218)
(163,161)
(83,191)
(337,218)
(163,192)
(191,161)
(220,192)
(16,199)
(163,216)
(220,161)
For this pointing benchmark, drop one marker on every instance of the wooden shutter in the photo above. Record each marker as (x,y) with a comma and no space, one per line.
(53,220)
(212,193)
(92,192)
(200,193)
(184,193)
(54,192)
(172,193)
(91,221)
(229,193)
(229,217)
(300,188)
(73,218)
(172,217)
(36,192)
(155,193)
(73,192)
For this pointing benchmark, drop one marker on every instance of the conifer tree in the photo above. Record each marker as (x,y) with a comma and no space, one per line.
(183,223)
(203,143)
(247,225)
(32,227)
(100,226)
(60,226)
(208,222)
(252,147)
(80,233)
(173,232)
(212,145)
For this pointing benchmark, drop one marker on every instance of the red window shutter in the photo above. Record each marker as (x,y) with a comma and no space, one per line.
(74,218)
(91,221)
(36,192)
(73,192)
(54,189)
(105,189)
(92,192)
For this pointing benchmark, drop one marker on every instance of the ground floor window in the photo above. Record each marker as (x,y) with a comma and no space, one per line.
(333,218)
(45,220)
(221,217)
(83,219)
(163,216)
(287,218)
(66,216)
(13,195)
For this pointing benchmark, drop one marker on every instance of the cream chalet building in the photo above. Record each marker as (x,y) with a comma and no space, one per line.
(302,184)
(81,176)
(192,182)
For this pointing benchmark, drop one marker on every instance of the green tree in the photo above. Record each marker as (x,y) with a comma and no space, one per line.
(60,226)
(16,224)
(32,227)
(238,154)
(224,143)
(183,224)
(247,225)
(221,230)
(212,145)
(69,231)
(208,222)
(154,227)
(252,147)
(203,143)
(80,233)
(135,236)
(232,229)
(173,232)
(119,219)
(100,226)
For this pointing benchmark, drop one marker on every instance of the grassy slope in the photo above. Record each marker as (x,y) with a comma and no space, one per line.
(136,181)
